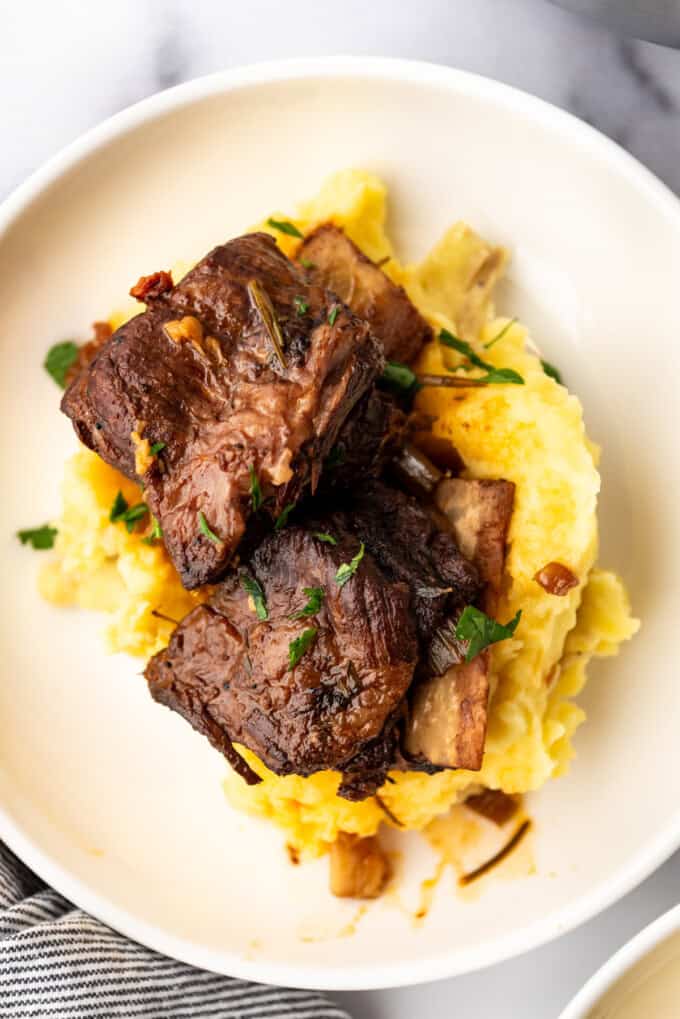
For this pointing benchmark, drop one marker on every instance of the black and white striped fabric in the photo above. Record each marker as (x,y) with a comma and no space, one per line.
(56,962)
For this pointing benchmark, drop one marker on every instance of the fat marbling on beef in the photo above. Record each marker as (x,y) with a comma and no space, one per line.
(244,370)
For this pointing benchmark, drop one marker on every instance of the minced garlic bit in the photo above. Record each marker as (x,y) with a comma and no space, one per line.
(183,330)
(143,456)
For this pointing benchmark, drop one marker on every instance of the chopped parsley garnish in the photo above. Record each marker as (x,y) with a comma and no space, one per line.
(301,306)
(347,570)
(253,589)
(316,596)
(39,537)
(494,376)
(282,518)
(156,448)
(300,646)
(501,377)
(333,314)
(399,376)
(255,490)
(464,348)
(552,372)
(155,534)
(284,227)
(481,631)
(307,263)
(205,529)
(122,513)
(328,538)
(119,507)
(59,359)
(501,334)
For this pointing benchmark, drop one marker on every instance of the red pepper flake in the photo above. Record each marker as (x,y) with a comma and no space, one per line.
(555,578)
(148,287)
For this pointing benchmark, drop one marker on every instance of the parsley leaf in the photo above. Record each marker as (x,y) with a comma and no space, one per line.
(501,377)
(155,534)
(282,518)
(347,570)
(284,227)
(333,314)
(119,507)
(449,340)
(322,536)
(552,372)
(122,513)
(494,376)
(298,647)
(481,631)
(39,537)
(156,448)
(316,596)
(255,490)
(307,263)
(301,306)
(501,334)
(205,529)
(253,589)
(399,376)
(59,359)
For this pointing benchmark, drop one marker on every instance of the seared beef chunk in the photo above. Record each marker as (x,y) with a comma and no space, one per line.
(480,512)
(338,264)
(405,539)
(239,373)
(373,433)
(446,727)
(229,671)
(447,721)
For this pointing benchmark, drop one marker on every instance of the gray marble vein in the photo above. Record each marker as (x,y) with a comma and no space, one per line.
(90,60)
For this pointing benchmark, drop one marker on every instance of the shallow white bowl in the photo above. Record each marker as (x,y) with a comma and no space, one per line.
(633,973)
(116,801)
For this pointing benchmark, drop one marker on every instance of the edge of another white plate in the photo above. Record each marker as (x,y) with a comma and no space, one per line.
(609,974)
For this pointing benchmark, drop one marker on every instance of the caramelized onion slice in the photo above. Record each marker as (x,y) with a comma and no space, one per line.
(556,578)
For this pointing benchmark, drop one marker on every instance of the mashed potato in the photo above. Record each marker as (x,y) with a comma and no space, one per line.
(532,435)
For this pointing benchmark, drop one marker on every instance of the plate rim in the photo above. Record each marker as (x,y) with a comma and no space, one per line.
(617,965)
(368,976)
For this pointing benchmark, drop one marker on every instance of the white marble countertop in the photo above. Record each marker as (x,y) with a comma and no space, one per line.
(66,66)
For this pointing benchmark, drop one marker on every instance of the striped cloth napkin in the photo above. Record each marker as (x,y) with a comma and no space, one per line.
(56,962)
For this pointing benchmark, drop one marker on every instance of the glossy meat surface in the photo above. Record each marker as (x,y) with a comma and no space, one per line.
(338,264)
(242,370)
(334,708)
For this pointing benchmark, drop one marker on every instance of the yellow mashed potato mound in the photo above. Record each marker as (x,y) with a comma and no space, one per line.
(532,435)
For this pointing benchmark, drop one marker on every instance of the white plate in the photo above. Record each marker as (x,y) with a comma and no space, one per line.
(635,968)
(115,800)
